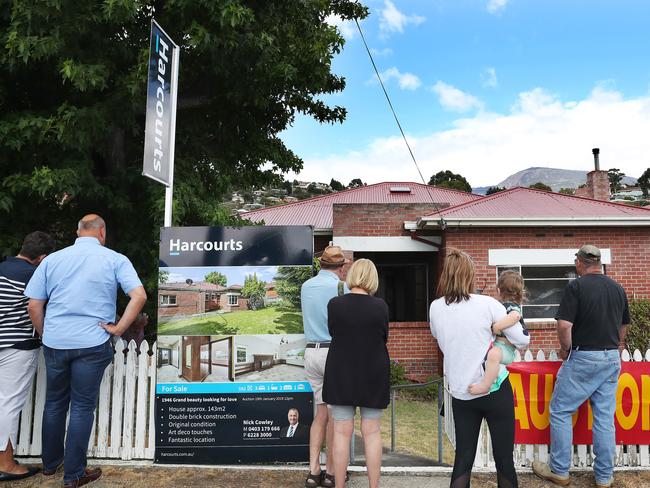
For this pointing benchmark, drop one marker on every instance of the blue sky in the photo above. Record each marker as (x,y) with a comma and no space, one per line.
(235,274)
(487,88)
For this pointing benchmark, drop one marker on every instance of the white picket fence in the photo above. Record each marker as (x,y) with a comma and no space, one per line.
(525,454)
(124,426)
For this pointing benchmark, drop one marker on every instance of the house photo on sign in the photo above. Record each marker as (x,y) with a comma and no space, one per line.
(230,358)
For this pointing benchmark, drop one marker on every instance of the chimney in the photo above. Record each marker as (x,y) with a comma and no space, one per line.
(597,186)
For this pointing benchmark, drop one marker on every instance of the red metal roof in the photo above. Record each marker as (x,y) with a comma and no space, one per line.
(317,211)
(529,203)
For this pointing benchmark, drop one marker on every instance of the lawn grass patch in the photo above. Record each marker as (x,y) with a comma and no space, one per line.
(269,320)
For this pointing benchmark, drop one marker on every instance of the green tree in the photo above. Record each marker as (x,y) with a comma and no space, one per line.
(163,276)
(540,186)
(567,191)
(336,185)
(253,286)
(448,179)
(615,177)
(216,278)
(356,183)
(494,189)
(72,100)
(288,281)
(644,182)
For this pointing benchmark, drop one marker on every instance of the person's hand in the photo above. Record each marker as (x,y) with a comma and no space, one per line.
(111,328)
(564,353)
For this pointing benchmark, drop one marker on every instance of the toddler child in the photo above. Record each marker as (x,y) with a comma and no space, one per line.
(510,287)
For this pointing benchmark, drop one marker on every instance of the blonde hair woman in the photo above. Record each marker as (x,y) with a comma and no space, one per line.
(461,322)
(357,372)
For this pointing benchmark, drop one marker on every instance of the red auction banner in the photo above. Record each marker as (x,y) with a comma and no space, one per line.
(533,382)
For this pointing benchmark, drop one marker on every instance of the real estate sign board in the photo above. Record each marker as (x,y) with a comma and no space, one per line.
(231,384)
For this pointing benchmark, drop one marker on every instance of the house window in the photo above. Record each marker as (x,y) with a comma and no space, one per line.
(545,286)
(233,300)
(241,354)
(168,300)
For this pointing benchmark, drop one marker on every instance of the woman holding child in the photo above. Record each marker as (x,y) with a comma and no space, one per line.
(465,325)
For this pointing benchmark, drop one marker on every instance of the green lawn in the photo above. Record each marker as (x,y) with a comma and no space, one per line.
(269,320)
(416,430)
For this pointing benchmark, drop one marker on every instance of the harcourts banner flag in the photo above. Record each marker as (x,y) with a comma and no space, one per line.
(161,106)
(231,385)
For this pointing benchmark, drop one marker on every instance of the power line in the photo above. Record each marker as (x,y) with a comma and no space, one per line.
(399,125)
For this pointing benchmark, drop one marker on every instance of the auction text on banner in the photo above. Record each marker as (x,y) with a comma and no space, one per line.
(533,383)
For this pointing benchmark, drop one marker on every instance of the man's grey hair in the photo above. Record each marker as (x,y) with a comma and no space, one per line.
(95,223)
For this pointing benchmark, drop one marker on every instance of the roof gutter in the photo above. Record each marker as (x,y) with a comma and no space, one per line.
(435,222)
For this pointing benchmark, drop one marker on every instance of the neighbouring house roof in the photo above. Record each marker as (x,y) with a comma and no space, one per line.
(528,207)
(317,211)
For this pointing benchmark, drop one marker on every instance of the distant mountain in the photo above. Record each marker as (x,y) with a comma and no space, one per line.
(554,177)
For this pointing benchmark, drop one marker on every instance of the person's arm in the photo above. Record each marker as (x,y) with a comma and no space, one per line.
(564,337)
(622,333)
(566,317)
(138,297)
(515,334)
(625,324)
(36,310)
(506,322)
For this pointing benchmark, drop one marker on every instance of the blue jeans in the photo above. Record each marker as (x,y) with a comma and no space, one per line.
(586,375)
(73,378)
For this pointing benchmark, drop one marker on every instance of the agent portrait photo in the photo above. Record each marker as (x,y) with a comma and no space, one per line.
(295,428)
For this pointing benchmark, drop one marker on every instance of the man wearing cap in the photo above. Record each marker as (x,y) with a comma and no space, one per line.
(591,324)
(315,294)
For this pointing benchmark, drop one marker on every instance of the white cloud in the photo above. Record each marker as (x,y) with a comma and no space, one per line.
(539,130)
(381,52)
(489,78)
(406,81)
(496,6)
(346,27)
(455,100)
(392,20)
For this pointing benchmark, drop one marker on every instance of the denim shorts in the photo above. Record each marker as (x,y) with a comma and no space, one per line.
(346,412)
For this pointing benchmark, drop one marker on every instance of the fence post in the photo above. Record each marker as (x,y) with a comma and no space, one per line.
(392,420)
(439,424)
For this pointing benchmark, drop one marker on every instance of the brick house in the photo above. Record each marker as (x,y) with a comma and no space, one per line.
(183,299)
(406,229)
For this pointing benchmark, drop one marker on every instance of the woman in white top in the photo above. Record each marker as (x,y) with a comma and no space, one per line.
(462,322)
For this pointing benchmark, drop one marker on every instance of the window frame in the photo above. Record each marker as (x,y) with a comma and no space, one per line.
(504,267)
(230,298)
(169,301)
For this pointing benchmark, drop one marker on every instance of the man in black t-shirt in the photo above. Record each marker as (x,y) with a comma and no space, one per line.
(19,347)
(591,324)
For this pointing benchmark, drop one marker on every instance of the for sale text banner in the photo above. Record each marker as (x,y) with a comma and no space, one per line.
(231,385)
(533,383)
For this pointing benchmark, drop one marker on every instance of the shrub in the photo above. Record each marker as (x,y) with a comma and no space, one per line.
(397,373)
(638,335)
(426,393)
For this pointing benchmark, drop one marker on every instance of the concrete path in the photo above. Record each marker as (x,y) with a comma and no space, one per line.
(132,475)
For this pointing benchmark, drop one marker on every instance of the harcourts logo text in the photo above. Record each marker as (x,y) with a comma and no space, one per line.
(176,246)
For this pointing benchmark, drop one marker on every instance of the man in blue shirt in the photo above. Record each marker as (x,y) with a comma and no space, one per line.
(79,285)
(315,294)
